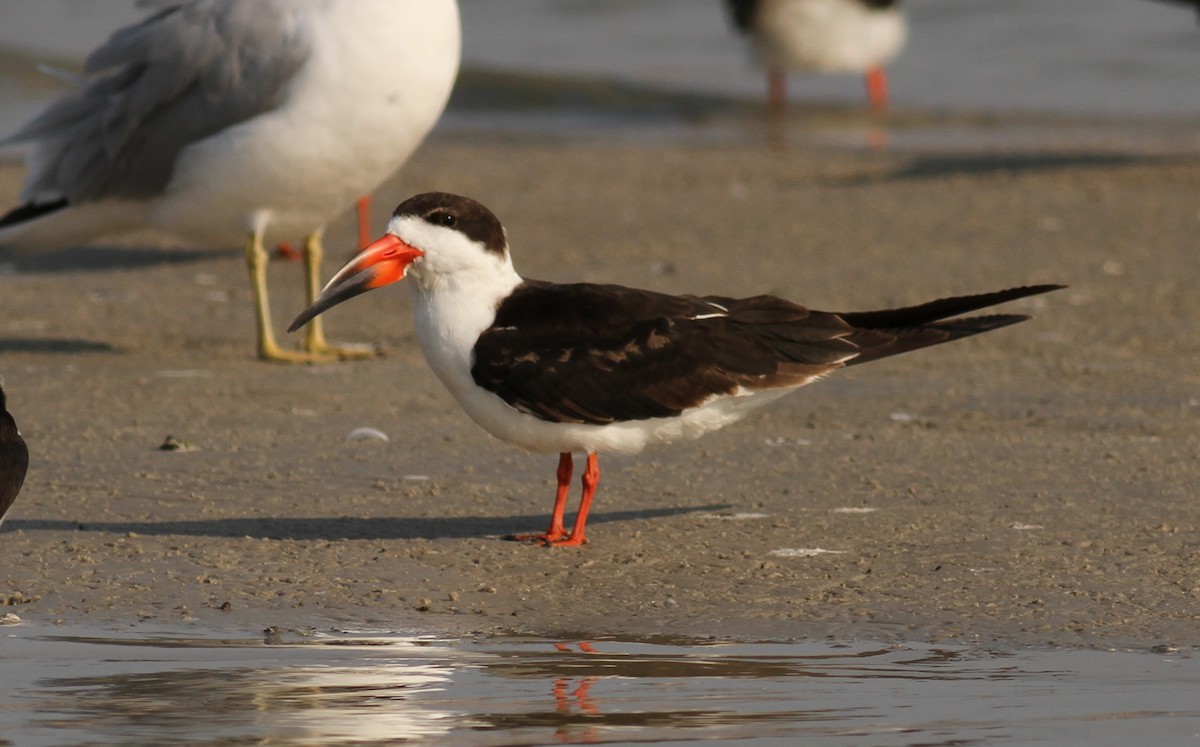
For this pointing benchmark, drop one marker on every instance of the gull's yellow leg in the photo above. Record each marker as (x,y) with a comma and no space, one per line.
(314,334)
(268,349)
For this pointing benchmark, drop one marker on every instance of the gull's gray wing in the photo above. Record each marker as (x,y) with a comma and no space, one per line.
(187,71)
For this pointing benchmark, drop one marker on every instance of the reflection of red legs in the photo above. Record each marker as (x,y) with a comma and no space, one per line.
(556,532)
(363,211)
(561,703)
(591,479)
(582,698)
(563,698)
(579,699)
(584,646)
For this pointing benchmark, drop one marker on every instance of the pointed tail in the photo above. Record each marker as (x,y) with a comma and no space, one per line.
(880,334)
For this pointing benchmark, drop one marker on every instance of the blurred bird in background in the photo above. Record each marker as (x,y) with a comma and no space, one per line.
(823,36)
(238,122)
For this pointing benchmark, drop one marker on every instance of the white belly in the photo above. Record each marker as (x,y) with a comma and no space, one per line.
(828,35)
(628,437)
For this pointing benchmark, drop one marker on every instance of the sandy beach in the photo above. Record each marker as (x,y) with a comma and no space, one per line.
(1035,485)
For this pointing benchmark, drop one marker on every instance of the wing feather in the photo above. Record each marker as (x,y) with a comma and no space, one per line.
(599,354)
(180,75)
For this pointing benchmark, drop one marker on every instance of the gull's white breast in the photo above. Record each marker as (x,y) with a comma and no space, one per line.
(377,79)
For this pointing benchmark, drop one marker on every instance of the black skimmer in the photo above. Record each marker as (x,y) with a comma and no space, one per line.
(238,123)
(14,458)
(590,368)
(831,36)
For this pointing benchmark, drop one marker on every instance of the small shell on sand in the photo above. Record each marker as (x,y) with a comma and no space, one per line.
(367,434)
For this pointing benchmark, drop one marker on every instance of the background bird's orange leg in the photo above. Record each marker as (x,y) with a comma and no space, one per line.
(591,478)
(363,210)
(877,88)
(556,532)
(777,91)
(877,94)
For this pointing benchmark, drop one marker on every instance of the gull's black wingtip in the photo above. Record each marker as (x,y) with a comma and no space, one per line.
(30,211)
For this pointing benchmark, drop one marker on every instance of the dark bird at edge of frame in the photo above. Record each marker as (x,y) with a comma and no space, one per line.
(14,458)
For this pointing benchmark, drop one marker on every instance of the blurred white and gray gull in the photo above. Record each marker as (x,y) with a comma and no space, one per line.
(829,36)
(587,368)
(238,123)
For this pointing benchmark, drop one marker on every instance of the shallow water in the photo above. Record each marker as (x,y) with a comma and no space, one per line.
(1126,58)
(62,686)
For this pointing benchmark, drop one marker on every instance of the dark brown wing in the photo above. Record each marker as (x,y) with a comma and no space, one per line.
(603,353)
(598,354)
(14,458)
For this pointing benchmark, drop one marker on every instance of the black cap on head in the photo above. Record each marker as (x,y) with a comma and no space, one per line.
(460,213)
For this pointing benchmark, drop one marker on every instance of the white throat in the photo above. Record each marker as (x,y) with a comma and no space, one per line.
(456,288)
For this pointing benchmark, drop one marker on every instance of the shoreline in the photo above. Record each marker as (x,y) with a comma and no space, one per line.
(521,109)
(1035,486)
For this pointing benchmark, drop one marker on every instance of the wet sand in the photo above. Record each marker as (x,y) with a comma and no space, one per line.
(1034,485)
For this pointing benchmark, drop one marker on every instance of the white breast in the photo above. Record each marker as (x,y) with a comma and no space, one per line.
(828,35)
